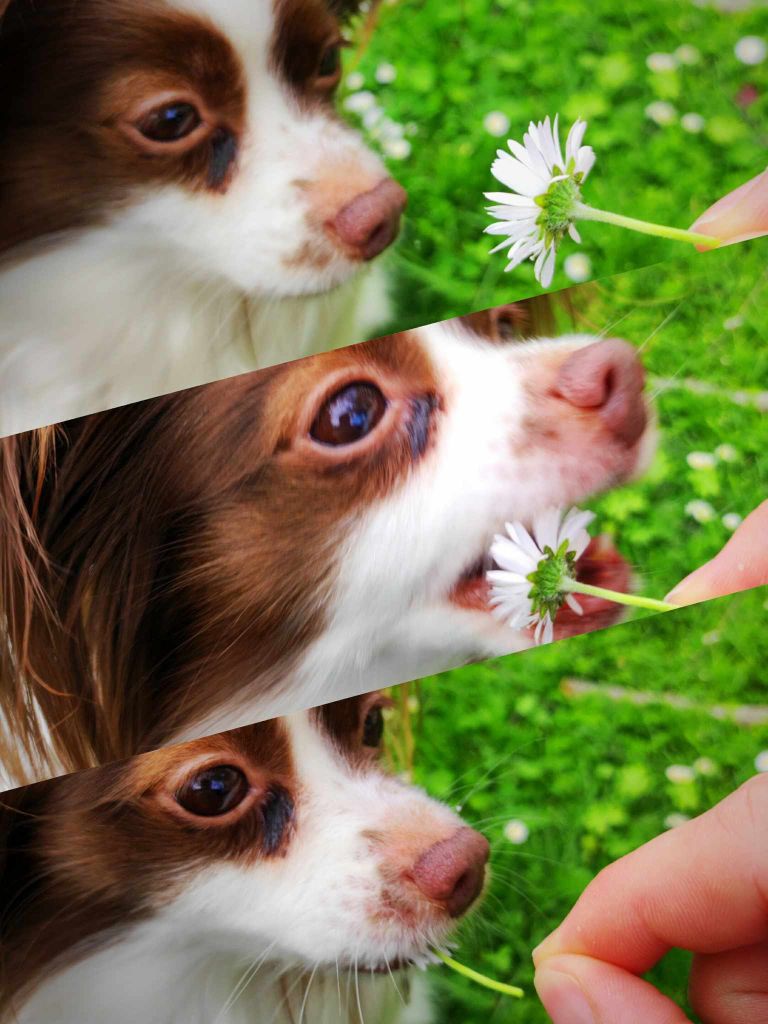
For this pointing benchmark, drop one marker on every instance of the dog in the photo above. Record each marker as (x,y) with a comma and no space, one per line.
(296,535)
(179,200)
(273,874)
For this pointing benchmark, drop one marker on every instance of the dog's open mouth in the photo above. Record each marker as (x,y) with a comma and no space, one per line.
(601,565)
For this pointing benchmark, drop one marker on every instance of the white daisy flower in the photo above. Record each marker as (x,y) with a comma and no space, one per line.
(661,112)
(496,123)
(761,761)
(386,73)
(578,267)
(516,831)
(732,521)
(751,50)
(660,62)
(733,322)
(355,81)
(397,148)
(675,820)
(545,189)
(700,510)
(701,460)
(680,774)
(727,453)
(692,123)
(359,102)
(526,587)
(686,53)
(704,766)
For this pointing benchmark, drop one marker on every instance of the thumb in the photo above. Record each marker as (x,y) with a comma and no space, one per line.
(741,214)
(743,563)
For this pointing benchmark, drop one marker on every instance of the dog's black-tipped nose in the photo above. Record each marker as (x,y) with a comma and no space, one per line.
(371,221)
(452,871)
(607,377)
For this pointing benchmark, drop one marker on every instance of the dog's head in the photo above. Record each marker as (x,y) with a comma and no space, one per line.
(202,129)
(283,842)
(222,554)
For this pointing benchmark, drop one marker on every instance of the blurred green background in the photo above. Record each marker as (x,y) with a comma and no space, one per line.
(431,80)
(581,776)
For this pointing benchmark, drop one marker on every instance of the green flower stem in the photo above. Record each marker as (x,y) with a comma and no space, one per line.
(633,600)
(583,212)
(481,979)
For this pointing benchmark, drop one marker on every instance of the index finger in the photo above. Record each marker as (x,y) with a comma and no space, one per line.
(702,887)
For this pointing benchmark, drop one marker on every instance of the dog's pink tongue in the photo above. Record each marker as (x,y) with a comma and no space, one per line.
(602,566)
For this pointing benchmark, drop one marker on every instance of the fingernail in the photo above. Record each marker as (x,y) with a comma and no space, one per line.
(739,197)
(548,947)
(563,998)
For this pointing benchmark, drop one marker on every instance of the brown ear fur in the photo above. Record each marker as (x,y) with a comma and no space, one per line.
(527,318)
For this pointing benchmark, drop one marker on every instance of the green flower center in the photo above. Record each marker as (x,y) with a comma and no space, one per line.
(546,594)
(557,204)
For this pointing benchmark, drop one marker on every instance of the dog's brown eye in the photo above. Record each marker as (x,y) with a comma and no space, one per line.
(329,68)
(349,415)
(213,792)
(169,123)
(373,728)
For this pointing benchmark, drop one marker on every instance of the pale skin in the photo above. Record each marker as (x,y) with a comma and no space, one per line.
(703,886)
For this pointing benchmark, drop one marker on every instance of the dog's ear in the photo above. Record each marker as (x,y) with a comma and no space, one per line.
(26,465)
(515,321)
(21,811)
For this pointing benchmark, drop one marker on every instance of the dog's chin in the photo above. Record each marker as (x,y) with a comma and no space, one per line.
(601,565)
(330,271)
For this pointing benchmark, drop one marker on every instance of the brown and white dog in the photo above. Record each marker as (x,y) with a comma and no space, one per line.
(273,874)
(178,199)
(229,553)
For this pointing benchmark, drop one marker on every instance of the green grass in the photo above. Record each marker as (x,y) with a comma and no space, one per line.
(586,774)
(458,60)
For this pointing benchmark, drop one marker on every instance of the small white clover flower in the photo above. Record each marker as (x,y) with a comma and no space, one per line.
(701,460)
(733,322)
(659,62)
(704,766)
(680,774)
(700,510)
(359,102)
(578,267)
(354,81)
(372,117)
(496,123)
(761,761)
(686,53)
(732,521)
(661,112)
(397,149)
(675,820)
(516,831)
(727,453)
(386,73)
(692,123)
(751,50)
(526,588)
(545,191)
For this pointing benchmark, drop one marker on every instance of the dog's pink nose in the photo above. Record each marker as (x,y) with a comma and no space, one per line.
(608,378)
(452,871)
(371,221)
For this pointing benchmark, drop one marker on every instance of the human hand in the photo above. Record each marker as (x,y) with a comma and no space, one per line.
(740,215)
(703,887)
(742,563)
